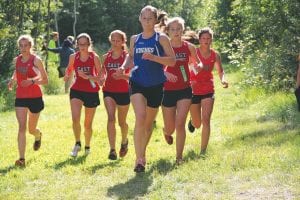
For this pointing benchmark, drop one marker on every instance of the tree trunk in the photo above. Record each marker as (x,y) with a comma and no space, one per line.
(21,17)
(38,22)
(48,33)
(75,18)
(56,24)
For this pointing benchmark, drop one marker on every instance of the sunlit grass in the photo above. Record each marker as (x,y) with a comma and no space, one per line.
(253,154)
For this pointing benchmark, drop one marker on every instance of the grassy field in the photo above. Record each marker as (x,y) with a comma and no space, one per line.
(254,153)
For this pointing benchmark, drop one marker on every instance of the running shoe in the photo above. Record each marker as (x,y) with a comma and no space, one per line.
(154,124)
(169,139)
(203,152)
(140,166)
(20,162)
(179,161)
(37,143)
(87,150)
(75,150)
(112,155)
(191,127)
(124,149)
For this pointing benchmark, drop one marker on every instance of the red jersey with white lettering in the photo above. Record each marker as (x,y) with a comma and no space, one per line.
(180,69)
(24,71)
(203,82)
(111,65)
(88,67)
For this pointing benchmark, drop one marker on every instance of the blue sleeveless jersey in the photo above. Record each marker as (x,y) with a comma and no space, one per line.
(147,73)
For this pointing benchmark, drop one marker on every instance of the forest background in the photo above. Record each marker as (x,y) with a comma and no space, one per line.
(260,38)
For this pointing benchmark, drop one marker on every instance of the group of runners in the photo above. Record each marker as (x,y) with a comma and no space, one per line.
(160,68)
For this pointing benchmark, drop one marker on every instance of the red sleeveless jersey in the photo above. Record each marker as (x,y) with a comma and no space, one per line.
(180,69)
(111,64)
(88,67)
(26,71)
(203,82)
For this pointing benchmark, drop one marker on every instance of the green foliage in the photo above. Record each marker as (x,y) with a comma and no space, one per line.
(16,18)
(263,38)
(7,45)
(259,37)
(7,53)
(271,69)
(7,98)
(99,18)
(187,9)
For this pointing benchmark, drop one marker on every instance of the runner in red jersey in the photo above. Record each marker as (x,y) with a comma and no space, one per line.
(116,92)
(203,87)
(84,91)
(177,93)
(28,74)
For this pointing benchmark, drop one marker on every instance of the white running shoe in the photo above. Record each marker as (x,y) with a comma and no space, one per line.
(87,151)
(75,150)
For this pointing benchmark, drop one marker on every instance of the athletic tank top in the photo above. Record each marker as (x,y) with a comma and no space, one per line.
(203,82)
(181,68)
(26,71)
(147,73)
(88,67)
(111,64)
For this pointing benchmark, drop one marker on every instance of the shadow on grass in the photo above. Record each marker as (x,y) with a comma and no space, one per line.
(191,155)
(286,119)
(133,188)
(138,185)
(95,168)
(71,161)
(278,136)
(6,170)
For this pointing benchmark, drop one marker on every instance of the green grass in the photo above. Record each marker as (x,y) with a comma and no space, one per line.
(253,154)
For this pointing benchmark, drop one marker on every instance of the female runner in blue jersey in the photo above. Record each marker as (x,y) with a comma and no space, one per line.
(148,52)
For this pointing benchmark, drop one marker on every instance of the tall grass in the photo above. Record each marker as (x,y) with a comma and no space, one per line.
(253,154)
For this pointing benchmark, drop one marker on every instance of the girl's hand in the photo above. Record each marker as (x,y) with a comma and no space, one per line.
(119,72)
(170,77)
(224,83)
(148,56)
(10,84)
(117,76)
(66,77)
(26,83)
(82,75)
(101,79)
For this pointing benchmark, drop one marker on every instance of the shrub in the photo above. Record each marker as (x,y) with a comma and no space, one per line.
(264,35)
(55,84)
(271,69)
